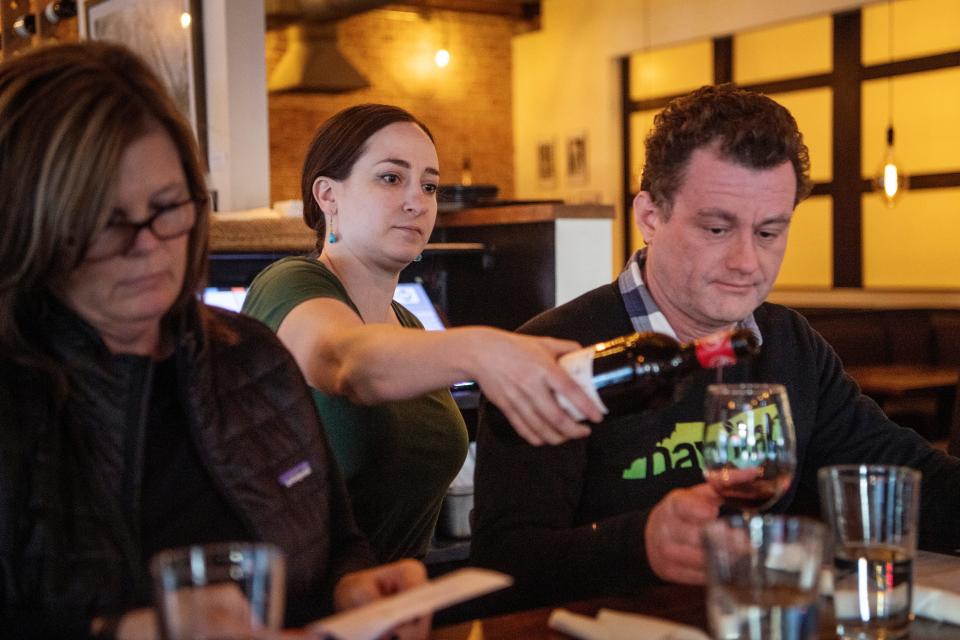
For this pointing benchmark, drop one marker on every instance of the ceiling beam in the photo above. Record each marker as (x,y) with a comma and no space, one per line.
(520,9)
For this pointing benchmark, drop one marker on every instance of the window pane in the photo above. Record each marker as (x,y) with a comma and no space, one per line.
(784,51)
(921,28)
(640,124)
(813,110)
(926,115)
(808,261)
(671,70)
(913,245)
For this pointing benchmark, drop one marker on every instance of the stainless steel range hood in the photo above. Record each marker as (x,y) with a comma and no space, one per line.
(312,62)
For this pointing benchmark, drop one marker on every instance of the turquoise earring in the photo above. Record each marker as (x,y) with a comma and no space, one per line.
(332,236)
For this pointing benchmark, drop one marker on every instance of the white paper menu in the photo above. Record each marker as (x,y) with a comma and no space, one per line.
(373,620)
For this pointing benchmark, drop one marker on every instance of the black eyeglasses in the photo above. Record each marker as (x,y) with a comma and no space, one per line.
(166,223)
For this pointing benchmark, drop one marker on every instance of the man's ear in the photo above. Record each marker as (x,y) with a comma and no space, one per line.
(323,193)
(647,216)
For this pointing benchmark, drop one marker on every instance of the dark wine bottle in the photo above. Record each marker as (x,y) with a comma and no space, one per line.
(59,9)
(633,372)
(25,26)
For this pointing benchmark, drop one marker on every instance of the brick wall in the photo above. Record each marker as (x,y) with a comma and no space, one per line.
(467,105)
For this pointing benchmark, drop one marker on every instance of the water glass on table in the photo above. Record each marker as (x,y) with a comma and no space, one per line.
(225,591)
(872,513)
(763,576)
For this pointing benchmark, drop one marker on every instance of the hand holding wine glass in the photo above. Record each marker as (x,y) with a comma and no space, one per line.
(749,447)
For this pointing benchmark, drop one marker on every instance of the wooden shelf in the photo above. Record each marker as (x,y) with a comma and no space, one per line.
(522,213)
(260,234)
(268,233)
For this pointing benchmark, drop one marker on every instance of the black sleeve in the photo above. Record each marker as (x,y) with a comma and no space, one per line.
(526,498)
(27,622)
(35,624)
(524,521)
(349,549)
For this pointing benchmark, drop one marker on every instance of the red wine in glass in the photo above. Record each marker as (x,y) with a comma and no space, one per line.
(749,447)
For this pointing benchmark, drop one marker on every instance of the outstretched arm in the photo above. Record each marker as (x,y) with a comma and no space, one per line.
(372,363)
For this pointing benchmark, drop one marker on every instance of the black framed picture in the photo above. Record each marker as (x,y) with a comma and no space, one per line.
(546,164)
(168,34)
(577,160)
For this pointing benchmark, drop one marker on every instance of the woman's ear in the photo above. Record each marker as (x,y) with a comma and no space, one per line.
(323,193)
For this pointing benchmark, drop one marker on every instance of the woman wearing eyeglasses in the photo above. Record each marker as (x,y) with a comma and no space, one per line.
(133,418)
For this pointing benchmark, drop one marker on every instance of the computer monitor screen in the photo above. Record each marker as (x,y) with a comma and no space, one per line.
(414,297)
(411,295)
(227,297)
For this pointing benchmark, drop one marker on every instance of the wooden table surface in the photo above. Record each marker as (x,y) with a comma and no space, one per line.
(681,604)
(898,379)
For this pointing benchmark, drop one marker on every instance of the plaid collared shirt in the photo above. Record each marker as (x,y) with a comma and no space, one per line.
(644,313)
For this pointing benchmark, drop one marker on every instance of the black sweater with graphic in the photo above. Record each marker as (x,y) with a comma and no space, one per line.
(567,521)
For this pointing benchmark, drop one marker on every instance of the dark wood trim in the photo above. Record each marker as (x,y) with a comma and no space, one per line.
(521,9)
(922,181)
(792,84)
(935,180)
(873,72)
(651,104)
(822,189)
(723,59)
(913,65)
(627,182)
(847,223)
(775,86)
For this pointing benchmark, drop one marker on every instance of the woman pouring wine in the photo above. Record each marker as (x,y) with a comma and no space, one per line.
(380,382)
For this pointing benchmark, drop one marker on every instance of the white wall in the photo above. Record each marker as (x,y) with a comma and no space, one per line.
(566,77)
(237,125)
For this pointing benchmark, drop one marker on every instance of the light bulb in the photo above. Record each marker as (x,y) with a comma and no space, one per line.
(890,181)
(185,20)
(442,58)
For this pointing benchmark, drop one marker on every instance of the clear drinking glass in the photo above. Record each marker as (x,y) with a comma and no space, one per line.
(763,576)
(749,446)
(872,513)
(232,590)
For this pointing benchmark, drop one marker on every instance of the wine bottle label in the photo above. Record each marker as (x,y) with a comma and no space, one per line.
(579,364)
(715,350)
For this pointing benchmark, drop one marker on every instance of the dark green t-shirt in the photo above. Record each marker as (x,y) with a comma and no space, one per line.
(398,457)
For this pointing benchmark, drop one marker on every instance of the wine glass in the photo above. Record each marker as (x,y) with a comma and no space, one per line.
(749,446)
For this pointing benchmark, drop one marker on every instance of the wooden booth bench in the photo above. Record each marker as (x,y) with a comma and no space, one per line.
(902,348)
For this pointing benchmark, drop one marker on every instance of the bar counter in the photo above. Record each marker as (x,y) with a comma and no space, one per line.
(269,232)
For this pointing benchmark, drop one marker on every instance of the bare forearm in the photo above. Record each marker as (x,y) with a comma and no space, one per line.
(380,363)
(374,363)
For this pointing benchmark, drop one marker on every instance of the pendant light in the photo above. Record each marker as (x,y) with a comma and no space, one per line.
(442,56)
(890,181)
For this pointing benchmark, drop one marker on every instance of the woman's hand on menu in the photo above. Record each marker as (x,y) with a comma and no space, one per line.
(361,587)
(672,535)
(520,375)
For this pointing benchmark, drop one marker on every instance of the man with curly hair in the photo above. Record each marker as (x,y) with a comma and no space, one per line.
(607,514)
